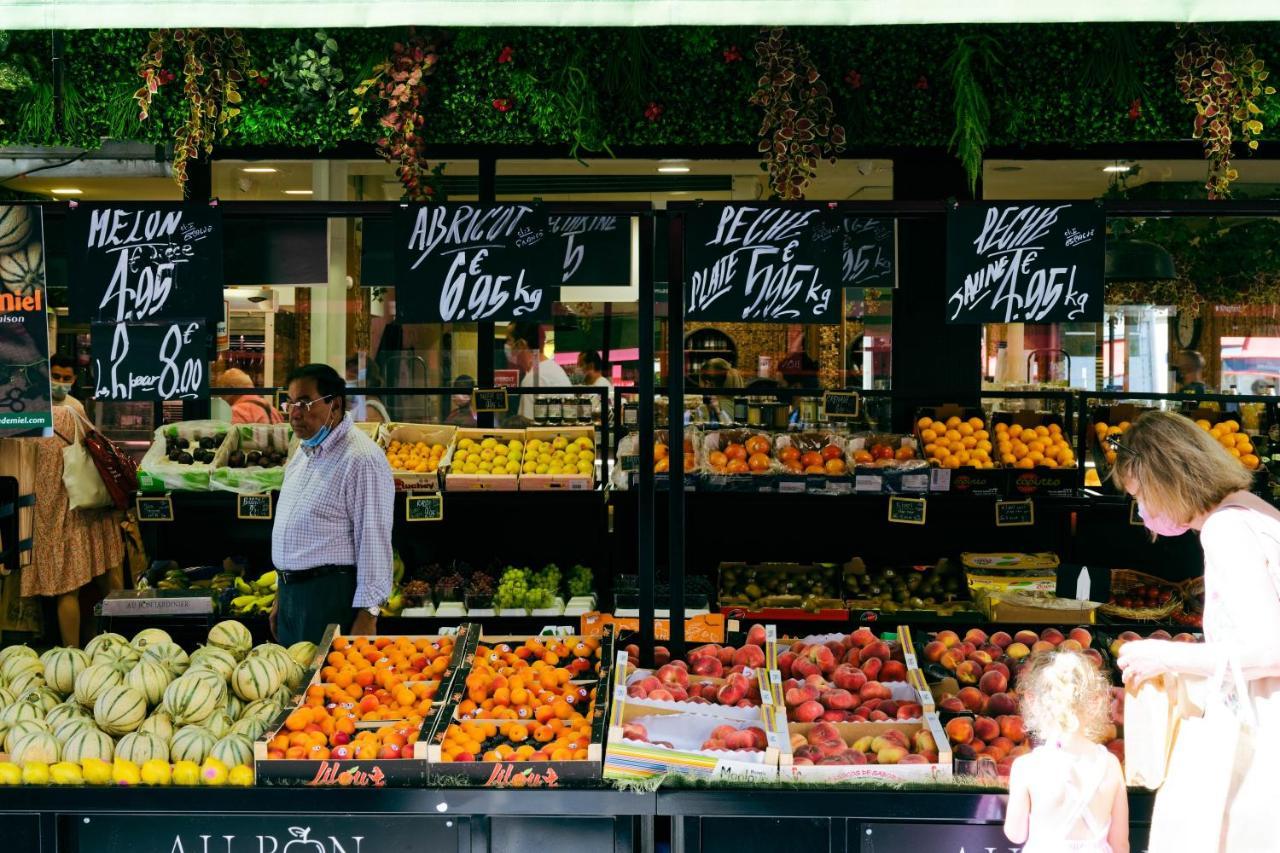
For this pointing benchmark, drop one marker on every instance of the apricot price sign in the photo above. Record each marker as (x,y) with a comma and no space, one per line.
(424,506)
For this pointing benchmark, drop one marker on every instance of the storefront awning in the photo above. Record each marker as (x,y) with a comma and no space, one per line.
(135,14)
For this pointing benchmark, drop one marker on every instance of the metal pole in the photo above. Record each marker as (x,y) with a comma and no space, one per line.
(644,386)
(675,428)
(485,331)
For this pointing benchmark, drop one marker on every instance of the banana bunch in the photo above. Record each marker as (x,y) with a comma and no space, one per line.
(174,579)
(254,597)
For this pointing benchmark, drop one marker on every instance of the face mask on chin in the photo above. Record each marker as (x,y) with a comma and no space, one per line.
(319,437)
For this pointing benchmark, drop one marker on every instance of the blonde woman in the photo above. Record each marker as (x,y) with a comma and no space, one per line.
(1184,480)
(1068,793)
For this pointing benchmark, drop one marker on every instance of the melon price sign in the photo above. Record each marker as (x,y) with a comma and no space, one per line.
(475,263)
(764,264)
(150,361)
(146,261)
(25,403)
(1025,262)
(597,249)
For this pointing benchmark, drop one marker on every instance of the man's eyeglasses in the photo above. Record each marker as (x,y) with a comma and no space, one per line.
(1114,444)
(304,405)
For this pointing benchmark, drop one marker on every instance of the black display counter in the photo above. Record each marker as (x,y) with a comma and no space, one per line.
(475,820)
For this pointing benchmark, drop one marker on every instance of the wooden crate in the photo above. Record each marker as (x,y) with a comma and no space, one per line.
(877,773)
(455,481)
(413,433)
(563,482)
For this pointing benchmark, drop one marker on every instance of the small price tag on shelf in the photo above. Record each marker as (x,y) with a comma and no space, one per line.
(154,508)
(257,507)
(489,399)
(907,510)
(841,405)
(1015,513)
(424,506)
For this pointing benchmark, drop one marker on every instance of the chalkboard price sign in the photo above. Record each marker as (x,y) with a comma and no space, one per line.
(144,261)
(254,507)
(154,508)
(424,506)
(1025,262)
(870,253)
(489,399)
(150,361)
(841,405)
(907,510)
(597,249)
(763,264)
(475,262)
(1015,514)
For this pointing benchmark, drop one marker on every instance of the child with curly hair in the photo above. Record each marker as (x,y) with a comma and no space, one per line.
(1067,794)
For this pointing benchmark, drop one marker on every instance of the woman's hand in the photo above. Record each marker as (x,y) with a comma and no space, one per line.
(1142,660)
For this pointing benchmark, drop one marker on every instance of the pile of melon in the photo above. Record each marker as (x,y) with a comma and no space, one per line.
(146,699)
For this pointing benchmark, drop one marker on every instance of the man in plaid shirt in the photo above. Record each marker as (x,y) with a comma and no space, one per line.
(331,544)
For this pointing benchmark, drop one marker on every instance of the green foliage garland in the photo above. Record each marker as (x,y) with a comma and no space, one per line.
(974,58)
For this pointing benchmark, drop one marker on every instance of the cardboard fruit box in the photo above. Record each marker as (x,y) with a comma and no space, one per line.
(411,434)
(156,474)
(1053,481)
(733,473)
(686,731)
(459,480)
(576,482)
(803,591)
(251,479)
(625,679)
(854,734)
(965,478)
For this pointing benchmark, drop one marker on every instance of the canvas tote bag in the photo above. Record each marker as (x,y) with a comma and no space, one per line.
(85,488)
(1150,725)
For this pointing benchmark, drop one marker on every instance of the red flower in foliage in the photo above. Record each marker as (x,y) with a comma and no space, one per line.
(923,82)
(1135,109)
(854,79)
(263,81)
(732,54)
(653,112)
(506,55)
(502,105)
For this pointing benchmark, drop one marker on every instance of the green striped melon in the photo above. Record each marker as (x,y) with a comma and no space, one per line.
(88,742)
(149,678)
(219,725)
(191,743)
(103,640)
(120,710)
(303,653)
(264,709)
(148,636)
(93,680)
(192,699)
(250,727)
(16,222)
(19,664)
(22,728)
(140,747)
(61,666)
(64,712)
(283,697)
(271,650)
(35,746)
(159,724)
(233,750)
(293,675)
(25,683)
(210,677)
(63,731)
(6,697)
(16,651)
(231,636)
(22,710)
(235,706)
(121,654)
(219,660)
(44,697)
(169,655)
(256,678)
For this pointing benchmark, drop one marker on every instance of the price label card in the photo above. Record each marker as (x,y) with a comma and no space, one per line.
(1015,513)
(489,399)
(841,405)
(424,506)
(150,361)
(1135,517)
(907,510)
(870,253)
(154,508)
(254,507)
(597,249)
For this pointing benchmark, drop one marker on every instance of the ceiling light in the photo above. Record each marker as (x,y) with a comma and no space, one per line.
(260,169)
(673,170)
(299,192)
(67,191)
(1118,167)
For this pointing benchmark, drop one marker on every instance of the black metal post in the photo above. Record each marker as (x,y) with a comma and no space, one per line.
(644,386)
(485,331)
(675,428)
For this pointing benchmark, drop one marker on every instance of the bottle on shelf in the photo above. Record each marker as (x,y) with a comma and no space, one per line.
(540,409)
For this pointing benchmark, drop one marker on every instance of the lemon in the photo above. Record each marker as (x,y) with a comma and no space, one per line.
(541,469)
(530,467)
(513,467)
(96,771)
(486,455)
(464,443)
(35,773)
(213,773)
(469,468)
(501,450)
(241,776)
(156,772)
(66,773)
(474,458)
(559,442)
(10,774)
(124,772)
(488,443)
(534,444)
(186,773)
(544,458)
(585,467)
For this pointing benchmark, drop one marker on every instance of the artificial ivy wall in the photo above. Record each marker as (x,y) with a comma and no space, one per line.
(598,89)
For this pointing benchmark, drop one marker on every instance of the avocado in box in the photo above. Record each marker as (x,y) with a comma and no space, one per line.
(181,456)
(252,459)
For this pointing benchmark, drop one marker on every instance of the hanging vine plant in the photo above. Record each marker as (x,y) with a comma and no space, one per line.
(1224,82)
(973,59)
(799,127)
(399,86)
(214,64)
